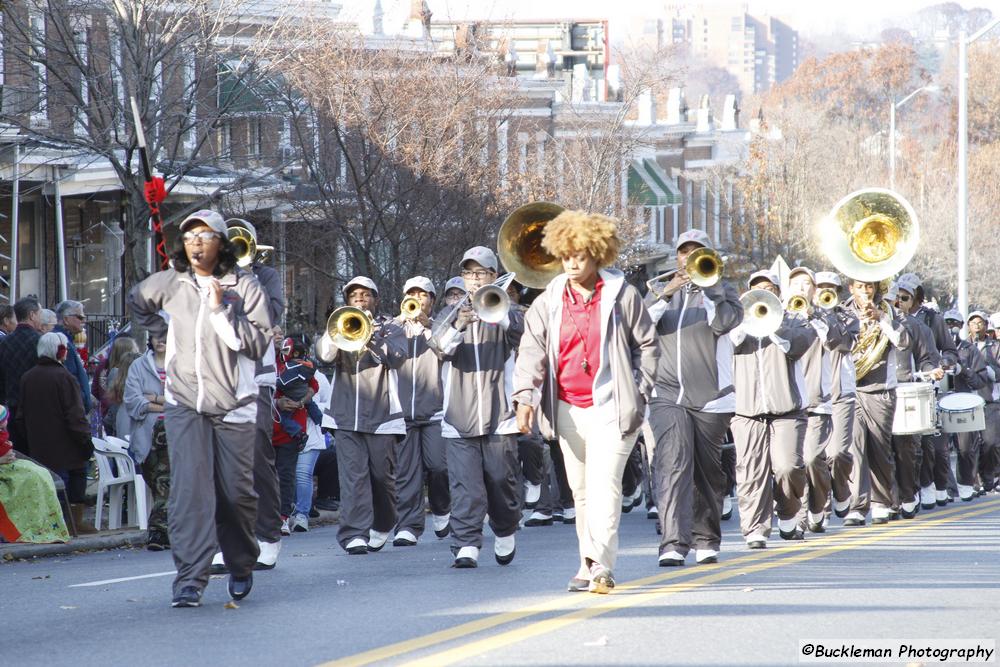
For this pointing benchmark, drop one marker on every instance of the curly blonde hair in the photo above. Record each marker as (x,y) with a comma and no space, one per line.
(575,231)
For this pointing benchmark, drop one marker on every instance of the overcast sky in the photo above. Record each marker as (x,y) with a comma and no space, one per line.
(808,16)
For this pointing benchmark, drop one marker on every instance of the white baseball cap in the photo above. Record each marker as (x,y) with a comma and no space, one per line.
(767,275)
(455,283)
(360,281)
(908,282)
(420,282)
(209,217)
(953,314)
(693,236)
(828,278)
(980,314)
(802,269)
(486,257)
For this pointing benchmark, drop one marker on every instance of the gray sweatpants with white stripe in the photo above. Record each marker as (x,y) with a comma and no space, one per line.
(484,478)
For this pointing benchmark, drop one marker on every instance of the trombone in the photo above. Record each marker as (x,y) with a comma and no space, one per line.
(490,302)
(704,266)
(245,243)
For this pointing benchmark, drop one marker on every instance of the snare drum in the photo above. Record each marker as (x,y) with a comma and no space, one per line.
(916,409)
(962,412)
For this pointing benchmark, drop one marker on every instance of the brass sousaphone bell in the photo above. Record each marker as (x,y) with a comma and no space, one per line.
(870,234)
(519,244)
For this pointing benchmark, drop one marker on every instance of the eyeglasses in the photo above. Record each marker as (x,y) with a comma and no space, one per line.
(478,273)
(205,236)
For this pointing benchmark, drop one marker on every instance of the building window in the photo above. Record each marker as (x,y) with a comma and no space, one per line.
(39,79)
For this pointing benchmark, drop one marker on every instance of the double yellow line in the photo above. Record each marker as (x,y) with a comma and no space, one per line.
(578,608)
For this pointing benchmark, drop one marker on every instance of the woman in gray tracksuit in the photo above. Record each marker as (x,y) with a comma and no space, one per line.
(769,426)
(215,317)
(422,452)
(479,420)
(586,366)
(368,420)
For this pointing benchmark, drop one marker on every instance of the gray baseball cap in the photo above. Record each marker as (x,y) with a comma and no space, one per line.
(486,257)
(209,217)
(360,281)
(420,282)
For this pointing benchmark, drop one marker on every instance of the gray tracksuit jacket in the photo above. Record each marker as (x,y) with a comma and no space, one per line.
(833,334)
(477,376)
(990,349)
(211,354)
(923,353)
(420,378)
(883,376)
(364,391)
(695,369)
(841,362)
(974,375)
(768,372)
(943,340)
(629,350)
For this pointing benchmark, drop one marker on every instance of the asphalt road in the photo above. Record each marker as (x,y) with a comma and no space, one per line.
(936,576)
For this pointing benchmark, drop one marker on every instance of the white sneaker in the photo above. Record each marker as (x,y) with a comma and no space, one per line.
(727,506)
(285,528)
(880,513)
(787,525)
(966,493)
(569,515)
(537,518)
(376,540)
(218,564)
(632,501)
(299,523)
(504,549)
(854,518)
(532,492)
(706,556)
(405,538)
(839,507)
(441,524)
(941,496)
(927,497)
(467,557)
(268,557)
(671,559)
(356,547)
(756,540)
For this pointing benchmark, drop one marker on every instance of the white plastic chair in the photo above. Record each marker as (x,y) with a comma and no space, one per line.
(142,490)
(114,484)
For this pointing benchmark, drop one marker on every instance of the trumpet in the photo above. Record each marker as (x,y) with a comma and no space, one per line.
(704,266)
(350,328)
(762,313)
(410,308)
(245,243)
(827,299)
(798,304)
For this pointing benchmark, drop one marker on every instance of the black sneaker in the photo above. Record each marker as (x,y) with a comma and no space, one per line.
(239,587)
(190,596)
(795,534)
(313,514)
(157,541)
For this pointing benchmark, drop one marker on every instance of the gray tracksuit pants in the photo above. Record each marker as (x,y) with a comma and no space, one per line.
(935,462)
(908,452)
(212,501)
(967,468)
(483,472)
(366,463)
(819,480)
(421,454)
(770,473)
(688,476)
(989,455)
(874,471)
(265,476)
(838,451)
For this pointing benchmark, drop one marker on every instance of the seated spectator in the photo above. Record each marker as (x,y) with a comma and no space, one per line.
(121,346)
(72,321)
(117,421)
(52,411)
(48,321)
(143,407)
(29,507)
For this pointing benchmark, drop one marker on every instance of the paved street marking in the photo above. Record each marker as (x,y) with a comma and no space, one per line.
(121,579)
(616,602)
(632,593)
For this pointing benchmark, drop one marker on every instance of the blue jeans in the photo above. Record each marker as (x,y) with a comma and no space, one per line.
(304,480)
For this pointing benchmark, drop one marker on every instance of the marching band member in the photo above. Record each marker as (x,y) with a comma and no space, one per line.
(832,334)
(989,457)
(922,357)
(586,366)
(974,378)
(691,407)
(842,398)
(368,420)
(423,450)
(218,327)
(479,419)
(874,472)
(769,426)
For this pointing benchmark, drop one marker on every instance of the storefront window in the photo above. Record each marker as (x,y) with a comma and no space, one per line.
(95,244)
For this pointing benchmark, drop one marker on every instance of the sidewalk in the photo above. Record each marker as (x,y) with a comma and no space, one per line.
(108,539)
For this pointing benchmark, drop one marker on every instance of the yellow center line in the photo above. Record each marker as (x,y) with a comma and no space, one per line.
(570,601)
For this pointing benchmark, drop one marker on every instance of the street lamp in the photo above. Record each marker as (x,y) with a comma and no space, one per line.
(963,158)
(930,88)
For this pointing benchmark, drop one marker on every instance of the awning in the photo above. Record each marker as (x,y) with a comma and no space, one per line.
(649,185)
(242,92)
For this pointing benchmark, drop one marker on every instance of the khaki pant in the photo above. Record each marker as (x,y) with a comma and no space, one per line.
(770,473)
(688,478)
(595,454)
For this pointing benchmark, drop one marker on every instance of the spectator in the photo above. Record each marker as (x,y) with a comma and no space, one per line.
(7,320)
(52,412)
(27,497)
(306,464)
(117,421)
(72,320)
(18,354)
(143,408)
(48,321)
(327,479)
(121,346)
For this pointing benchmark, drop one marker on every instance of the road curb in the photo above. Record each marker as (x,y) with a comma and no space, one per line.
(116,540)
